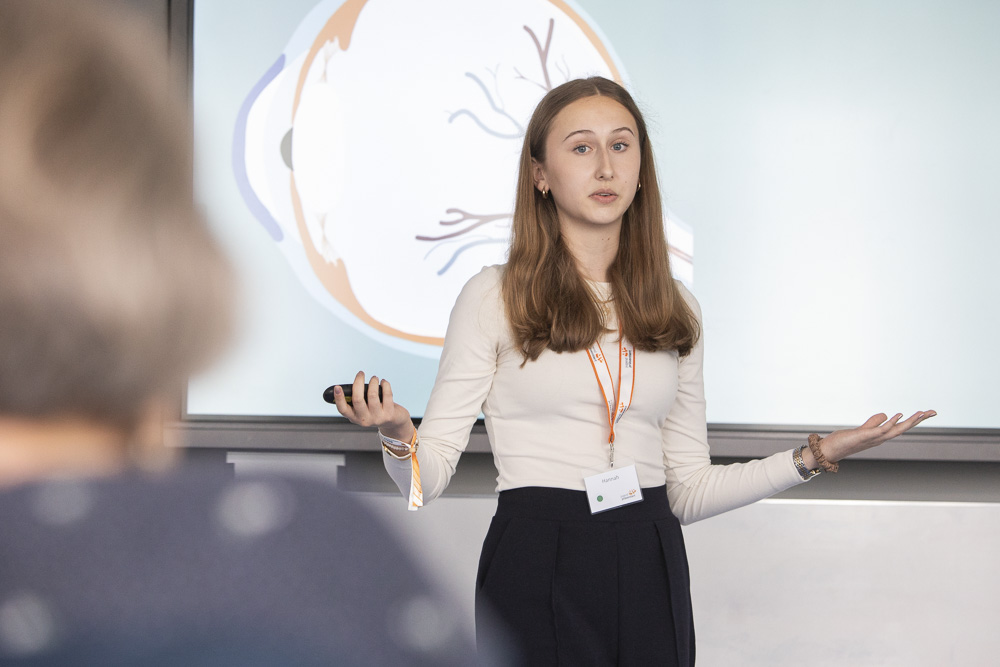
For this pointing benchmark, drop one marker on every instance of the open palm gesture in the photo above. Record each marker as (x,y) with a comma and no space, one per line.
(878,429)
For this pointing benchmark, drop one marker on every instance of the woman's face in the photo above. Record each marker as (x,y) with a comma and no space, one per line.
(591,167)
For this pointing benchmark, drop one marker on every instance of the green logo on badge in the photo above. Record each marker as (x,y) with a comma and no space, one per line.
(600,499)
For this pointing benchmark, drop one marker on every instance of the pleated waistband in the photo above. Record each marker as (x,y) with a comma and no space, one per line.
(549,504)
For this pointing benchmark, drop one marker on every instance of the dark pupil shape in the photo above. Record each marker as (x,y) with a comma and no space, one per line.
(286,149)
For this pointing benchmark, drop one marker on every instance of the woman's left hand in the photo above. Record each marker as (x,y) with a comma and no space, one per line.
(878,429)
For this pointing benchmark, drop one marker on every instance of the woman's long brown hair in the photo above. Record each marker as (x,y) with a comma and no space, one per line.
(547,301)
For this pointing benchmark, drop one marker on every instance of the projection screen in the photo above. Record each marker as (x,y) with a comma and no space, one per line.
(829,172)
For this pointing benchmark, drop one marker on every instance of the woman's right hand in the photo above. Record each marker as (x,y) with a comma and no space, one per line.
(391,419)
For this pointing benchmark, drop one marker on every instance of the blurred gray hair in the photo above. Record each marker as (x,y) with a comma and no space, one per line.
(112,288)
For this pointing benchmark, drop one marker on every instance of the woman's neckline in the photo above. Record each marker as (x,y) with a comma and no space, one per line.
(601,290)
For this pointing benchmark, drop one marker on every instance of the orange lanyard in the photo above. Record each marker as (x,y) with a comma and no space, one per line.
(416,499)
(616,402)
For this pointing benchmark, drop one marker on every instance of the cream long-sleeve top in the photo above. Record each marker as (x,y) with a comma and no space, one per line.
(547,421)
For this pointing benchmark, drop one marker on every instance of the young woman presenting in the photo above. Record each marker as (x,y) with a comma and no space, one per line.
(585,357)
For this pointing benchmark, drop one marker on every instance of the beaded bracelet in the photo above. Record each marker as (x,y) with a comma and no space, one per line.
(817,453)
(397,449)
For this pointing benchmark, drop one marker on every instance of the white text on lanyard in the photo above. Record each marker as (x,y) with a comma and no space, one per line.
(617,402)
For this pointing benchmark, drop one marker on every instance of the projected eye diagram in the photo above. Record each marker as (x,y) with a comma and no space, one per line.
(380,151)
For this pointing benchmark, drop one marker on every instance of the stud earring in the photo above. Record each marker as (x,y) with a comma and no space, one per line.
(545,193)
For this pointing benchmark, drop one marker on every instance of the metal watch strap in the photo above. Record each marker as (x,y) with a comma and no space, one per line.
(800,465)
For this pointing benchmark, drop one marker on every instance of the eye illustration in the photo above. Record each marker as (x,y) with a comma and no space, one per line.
(380,150)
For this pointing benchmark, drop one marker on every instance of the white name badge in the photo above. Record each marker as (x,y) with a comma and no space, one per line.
(613,488)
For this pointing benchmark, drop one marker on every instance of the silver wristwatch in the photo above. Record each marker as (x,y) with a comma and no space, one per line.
(805,473)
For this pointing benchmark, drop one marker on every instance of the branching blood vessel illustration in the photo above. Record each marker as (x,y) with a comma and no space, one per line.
(497,106)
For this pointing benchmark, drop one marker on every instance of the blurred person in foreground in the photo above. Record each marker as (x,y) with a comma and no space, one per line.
(112,292)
